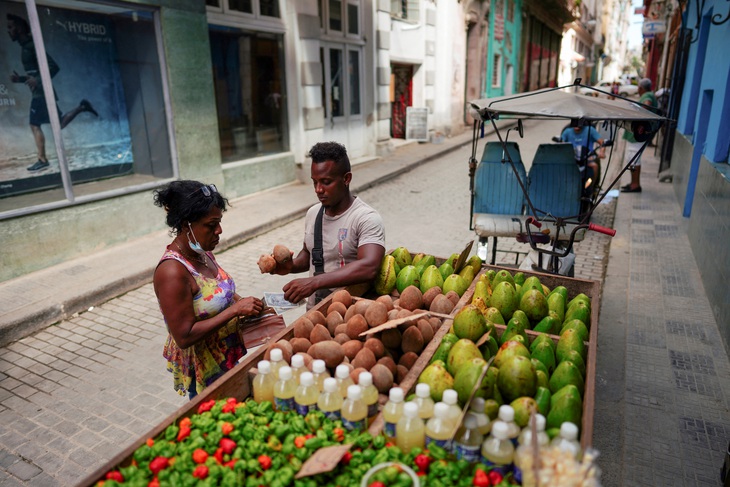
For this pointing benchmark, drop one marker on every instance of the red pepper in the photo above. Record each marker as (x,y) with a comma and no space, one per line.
(377,484)
(159,463)
(226,428)
(299,441)
(218,455)
(264,462)
(115,475)
(389,444)
(186,422)
(481,479)
(422,462)
(99,483)
(154,483)
(231,463)
(200,455)
(309,436)
(206,406)
(200,472)
(228,408)
(183,433)
(346,458)
(495,477)
(150,442)
(339,434)
(228,445)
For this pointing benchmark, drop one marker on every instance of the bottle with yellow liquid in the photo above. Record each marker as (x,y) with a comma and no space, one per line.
(410,432)
(284,390)
(305,399)
(451,398)
(525,437)
(507,415)
(392,411)
(342,374)
(330,400)
(369,394)
(297,367)
(524,455)
(477,409)
(263,383)
(497,450)
(440,427)
(319,370)
(424,401)
(354,412)
(276,357)
(468,441)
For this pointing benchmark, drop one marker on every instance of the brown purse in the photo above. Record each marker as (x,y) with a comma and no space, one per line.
(259,330)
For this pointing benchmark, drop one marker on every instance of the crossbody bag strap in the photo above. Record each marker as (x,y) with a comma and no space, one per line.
(318,251)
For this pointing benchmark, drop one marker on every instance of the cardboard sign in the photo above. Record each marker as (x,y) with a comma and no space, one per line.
(324,460)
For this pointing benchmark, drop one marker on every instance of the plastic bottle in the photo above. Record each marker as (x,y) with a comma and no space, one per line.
(525,437)
(284,390)
(424,401)
(468,440)
(342,374)
(305,399)
(369,394)
(507,415)
(451,398)
(410,432)
(319,370)
(477,409)
(354,412)
(263,383)
(392,411)
(497,450)
(568,439)
(524,454)
(297,367)
(330,400)
(440,427)
(276,357)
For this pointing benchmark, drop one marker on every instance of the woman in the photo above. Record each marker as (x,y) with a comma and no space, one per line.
(197,298)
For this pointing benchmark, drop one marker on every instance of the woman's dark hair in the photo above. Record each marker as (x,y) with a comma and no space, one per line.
(331,151)
(187,201)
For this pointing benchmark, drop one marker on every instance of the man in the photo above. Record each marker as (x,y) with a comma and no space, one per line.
(646,97)
(19,31)
(353,234)
(584,140)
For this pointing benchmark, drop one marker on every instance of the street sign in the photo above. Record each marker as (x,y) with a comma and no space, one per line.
(653,27)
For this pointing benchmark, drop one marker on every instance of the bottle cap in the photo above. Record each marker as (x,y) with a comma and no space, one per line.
(440,410)
(396,394)
(423,390)
(450,397)
(506,413)
(306,379)
(470,421)
(500,430)
(330,384)
(365,379)
(276,355)
(297,361)
(410,409)
(264,367)
(318,366)
(477,405)
(569,431)
(342,372)
(285,373)
(354,392)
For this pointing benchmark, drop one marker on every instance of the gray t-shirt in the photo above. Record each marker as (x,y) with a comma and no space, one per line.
(343,234)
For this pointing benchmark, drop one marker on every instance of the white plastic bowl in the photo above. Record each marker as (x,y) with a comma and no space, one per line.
(376,468)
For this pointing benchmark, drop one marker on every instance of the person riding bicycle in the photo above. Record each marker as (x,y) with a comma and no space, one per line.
(584,136)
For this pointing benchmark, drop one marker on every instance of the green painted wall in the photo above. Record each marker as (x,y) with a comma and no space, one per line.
(509,47)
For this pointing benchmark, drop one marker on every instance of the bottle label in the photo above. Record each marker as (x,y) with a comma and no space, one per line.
(284,404)
(390,430)
(502,469)
(373,410)
(353,425)
(333,415)
(467,452)
(304,409)
(445,444)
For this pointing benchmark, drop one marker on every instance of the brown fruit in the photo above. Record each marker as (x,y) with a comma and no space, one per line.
(391,338)
(388,362)
(365,359)
(337,306)
(429,295)
(333,319)
(401,373)
(376,314)
(382,378)
(393,314)
(303,327)
(329,351)
(300,344)
(375,346)
(319,334)
(355,374)
(349,313)
(441,304)
(412,340)
(424,326)
(285,347)
(411,298)
(351,348)
(362,305)
(404,313)
(307,360)
(408,359)
(342,338)
(266,263)
(386,300)
(341,329)
(453,297)
(396,303)
(435,323)
(355,326)
(316,317)
(282,254)
(342,296)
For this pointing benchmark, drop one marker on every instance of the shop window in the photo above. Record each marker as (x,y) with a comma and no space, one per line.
(341,88)
(254,8)
(107,131)
(405,9)
(248,72)
(340,17)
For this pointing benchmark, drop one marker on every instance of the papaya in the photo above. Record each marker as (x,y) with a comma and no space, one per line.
(570,340)
(578,311)
(565,405)
(567,373)
(577,325)
(542,398)
(556,304)
(548,324)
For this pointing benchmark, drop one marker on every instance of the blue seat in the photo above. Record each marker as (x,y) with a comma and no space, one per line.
(496,189)
(555,181)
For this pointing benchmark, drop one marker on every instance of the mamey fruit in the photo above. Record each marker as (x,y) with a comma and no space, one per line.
(266,263)
(282,254)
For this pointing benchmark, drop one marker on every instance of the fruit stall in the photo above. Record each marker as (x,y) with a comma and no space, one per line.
(422,323)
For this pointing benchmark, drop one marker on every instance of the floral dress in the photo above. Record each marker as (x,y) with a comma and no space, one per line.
(218,352)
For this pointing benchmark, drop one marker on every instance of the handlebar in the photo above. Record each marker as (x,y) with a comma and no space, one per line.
(604,230)
(589,226)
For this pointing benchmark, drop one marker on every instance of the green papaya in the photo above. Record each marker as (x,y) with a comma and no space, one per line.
(503,276)
(567,373)
(504,298)
(580,297)
(466,379)
(402,257)
(575,357)
(556,304)
(519,278)
(446,270)
(523,408)
(453,259)
(534,304)
(549,324)
(442,352)
(577,325)
(532,282)
(539,366)
(552,433)
(565,405)
(542,337)
(545,353)
(570,340)
(542,379)
(578,311)
(491,409)
(490,348)
(408,276)
(386,279)
(494,316)
(475,262)
(542,398)
(430,277)
(424,263)
(562,290)
(467,273)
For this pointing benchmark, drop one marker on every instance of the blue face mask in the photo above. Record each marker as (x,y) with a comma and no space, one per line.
(194,245)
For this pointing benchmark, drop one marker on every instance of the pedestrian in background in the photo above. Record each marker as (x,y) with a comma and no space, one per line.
(646,97)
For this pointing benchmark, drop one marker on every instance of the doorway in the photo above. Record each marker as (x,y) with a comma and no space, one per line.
(402,97)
